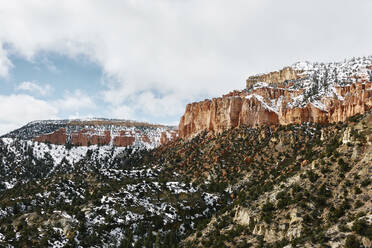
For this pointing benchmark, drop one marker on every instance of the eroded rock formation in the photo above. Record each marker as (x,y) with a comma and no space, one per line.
(288,96)
(58,137)
(109,133)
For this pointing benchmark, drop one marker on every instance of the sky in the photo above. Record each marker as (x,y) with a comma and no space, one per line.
(145,60)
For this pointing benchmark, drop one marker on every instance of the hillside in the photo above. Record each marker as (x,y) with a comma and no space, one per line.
(305,185)
(298,186)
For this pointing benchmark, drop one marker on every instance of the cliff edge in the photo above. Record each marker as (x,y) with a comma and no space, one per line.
(304,92)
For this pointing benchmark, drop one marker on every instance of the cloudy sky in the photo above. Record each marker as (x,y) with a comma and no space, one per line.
(146,59)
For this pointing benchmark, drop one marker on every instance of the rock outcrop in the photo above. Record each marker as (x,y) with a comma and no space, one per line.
(58,137)
(290,96)
(276,77)
(167,137)
(256,109)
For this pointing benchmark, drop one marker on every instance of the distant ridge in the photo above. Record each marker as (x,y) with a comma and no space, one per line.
(96,131)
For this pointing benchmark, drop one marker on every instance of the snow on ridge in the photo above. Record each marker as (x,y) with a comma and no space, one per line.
(263,103)
(318,81)
(92,119)
(337,71)
(319,105)
(140,131)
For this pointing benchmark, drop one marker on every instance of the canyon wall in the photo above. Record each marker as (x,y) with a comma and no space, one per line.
(272,106)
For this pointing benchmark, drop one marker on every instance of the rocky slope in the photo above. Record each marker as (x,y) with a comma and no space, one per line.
(295,186)
(96,132)
(96,196)
(291,186)
(304,92)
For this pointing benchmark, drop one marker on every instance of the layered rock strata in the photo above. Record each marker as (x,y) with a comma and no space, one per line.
(100,133)
(268,105)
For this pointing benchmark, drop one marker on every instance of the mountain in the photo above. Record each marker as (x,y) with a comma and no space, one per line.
(294,186)
(120,133)
(287,162)
(304,92)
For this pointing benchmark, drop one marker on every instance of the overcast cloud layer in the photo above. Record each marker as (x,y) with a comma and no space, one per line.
(156,56)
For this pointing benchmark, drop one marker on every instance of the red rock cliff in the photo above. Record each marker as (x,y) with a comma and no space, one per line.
(58,137)
(271,106)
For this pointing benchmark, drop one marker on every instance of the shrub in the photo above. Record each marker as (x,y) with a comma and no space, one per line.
(336,213)
(352,242)
(344,228)
(365,182)
(283,199)
(312,176)
(343,166)
(323,191)
(332,146)
(357,190)
(358,204)
(268,207)
(324,170)
(362,228)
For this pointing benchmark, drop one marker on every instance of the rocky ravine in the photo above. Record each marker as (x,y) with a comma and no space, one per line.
(304,92)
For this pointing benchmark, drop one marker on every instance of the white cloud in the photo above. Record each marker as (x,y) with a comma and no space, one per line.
(34,87)
(122,112)
(5,63)
(74,101)
(165,53)
(17,110)
(49,64)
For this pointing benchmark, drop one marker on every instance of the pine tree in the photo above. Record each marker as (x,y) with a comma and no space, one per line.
(335,75)
(325,78)
(157,241)
(126,243)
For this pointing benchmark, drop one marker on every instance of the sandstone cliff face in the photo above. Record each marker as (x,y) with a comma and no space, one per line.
(124,141)
(310,113)
(87,137)
(254,110)
(58,137)
(315,93)
(219,114)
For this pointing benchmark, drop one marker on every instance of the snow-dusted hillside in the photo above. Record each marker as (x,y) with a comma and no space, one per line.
(105,195)
(88,132)
(346,72)
(318,81)
(18,156)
